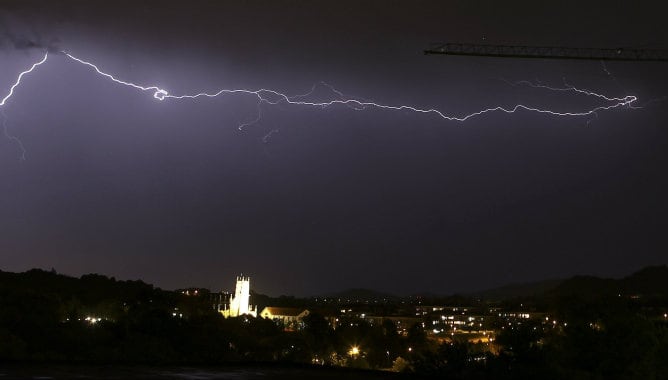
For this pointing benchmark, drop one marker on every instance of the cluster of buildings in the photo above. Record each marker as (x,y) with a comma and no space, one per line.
(475,324)
(238,304)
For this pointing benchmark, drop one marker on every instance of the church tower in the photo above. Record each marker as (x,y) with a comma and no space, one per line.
(240,301)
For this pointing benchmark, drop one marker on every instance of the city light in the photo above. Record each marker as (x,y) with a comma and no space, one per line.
(93,320)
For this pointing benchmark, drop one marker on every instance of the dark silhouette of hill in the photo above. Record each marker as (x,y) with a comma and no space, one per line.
(649,281)
(95,288)
(89,288)
(652,280)
(516,290)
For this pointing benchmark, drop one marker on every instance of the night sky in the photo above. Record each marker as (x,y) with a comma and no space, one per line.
(315,200)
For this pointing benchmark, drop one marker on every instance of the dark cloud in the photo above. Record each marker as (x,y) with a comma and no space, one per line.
(26,26)
(25,43)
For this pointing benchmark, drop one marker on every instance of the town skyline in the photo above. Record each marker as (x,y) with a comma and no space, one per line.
(509,289)
(94,319)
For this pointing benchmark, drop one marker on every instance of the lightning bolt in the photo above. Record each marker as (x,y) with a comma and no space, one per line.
(273,97)
(627,100)
(4,100)
(158,93)
(18,80)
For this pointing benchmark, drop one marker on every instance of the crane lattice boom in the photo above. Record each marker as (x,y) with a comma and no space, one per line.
(620,54)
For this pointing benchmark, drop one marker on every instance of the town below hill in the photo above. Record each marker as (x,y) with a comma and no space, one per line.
(583,327)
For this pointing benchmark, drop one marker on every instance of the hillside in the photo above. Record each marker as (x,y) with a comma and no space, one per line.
(517,290)
(649,281)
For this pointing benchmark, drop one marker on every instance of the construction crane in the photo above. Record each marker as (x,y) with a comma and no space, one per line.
(511,51)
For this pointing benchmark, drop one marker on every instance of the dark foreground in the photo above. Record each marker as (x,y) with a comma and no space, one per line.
(187,373)
(585,329)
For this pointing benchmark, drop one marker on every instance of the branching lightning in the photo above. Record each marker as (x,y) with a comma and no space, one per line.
(158,93)
(11,137)
(273,97)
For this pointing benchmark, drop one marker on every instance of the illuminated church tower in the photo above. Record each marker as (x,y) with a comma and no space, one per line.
(240,302)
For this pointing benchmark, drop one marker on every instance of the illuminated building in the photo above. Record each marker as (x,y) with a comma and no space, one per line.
(290,317)
(240,302)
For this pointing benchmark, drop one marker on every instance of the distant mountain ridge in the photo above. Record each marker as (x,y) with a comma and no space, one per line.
(651,280)
(515,290)
(648,281)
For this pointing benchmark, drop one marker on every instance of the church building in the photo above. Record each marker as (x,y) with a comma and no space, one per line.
(239,303)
